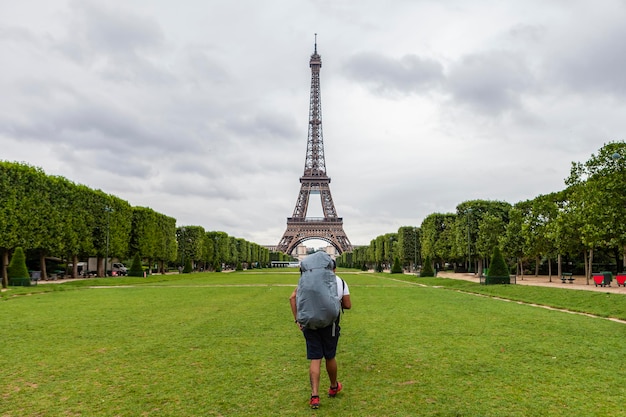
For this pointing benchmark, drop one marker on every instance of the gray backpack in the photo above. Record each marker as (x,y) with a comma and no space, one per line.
(318,304)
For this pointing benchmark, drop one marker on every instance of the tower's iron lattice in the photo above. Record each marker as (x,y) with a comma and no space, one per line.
(315,181)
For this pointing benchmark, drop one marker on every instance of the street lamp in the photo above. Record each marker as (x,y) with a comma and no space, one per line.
(106,257)
(415,250)
(469,248)
(183,253)
(390,253)
(616,157)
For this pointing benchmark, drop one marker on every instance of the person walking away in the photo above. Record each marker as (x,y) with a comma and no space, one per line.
(321,342)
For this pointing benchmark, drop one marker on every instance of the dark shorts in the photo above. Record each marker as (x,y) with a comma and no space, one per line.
(321,343)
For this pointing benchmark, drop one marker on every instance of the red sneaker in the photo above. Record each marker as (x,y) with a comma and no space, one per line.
(315,401)
(334,391)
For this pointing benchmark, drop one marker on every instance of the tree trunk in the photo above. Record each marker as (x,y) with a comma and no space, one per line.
(42,263)
(5,262)
(537,266)
(588,268)
(74,266)
(549,270)
(559,265)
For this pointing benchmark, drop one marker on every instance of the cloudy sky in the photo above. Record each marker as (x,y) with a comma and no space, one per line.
(199,109)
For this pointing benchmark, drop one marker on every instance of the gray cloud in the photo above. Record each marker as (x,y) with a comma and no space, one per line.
(201,112)
(101,31)
(491,82)
(406,75)
(597,64)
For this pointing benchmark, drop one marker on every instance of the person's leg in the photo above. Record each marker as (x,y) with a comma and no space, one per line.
(331,369)
(314,376)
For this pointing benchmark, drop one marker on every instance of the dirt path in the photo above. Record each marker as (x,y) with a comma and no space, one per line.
(580,283)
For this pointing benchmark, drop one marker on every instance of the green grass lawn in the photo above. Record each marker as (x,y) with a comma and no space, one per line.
(224,344)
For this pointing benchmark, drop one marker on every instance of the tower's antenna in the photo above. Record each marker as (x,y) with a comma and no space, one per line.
(316,43)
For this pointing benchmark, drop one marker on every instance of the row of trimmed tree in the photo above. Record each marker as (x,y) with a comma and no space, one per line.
(585,224)
(50,216)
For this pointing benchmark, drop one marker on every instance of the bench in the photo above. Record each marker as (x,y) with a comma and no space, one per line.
(567,276)
(621,279)
(35,276)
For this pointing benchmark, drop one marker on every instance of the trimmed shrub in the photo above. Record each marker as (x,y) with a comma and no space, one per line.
(188,268)
(396,268)
(17,271)
(498,272)
(136,269)
(427,269)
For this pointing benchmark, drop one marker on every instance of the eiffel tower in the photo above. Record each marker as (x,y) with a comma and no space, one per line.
(315,181)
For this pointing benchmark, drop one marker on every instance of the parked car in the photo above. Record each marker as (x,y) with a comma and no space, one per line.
(118,268)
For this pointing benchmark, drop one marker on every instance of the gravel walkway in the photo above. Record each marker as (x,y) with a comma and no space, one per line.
(580,283)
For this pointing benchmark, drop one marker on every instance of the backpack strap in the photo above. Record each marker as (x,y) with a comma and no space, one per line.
(343,288)
(343,285)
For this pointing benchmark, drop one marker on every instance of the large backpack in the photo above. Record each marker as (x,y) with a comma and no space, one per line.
(318,304)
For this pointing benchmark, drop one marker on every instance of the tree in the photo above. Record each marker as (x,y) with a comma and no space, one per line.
(474,211)
(437,236)
(599,201)
(490,230)
(513,242)
(145,238)
(190,244)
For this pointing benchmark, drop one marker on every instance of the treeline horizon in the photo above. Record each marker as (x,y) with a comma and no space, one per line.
(585,224)
(51,216)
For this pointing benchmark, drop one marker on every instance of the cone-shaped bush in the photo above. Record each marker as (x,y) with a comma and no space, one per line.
(188,268)
(136,269)
(497,267)
(427,268)
(498,272)
(17,270)
(396,268)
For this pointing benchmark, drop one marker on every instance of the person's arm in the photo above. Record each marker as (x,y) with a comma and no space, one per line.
(346,304)
(292,302)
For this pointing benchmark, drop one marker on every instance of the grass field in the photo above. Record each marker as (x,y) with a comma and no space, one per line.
(224,344)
